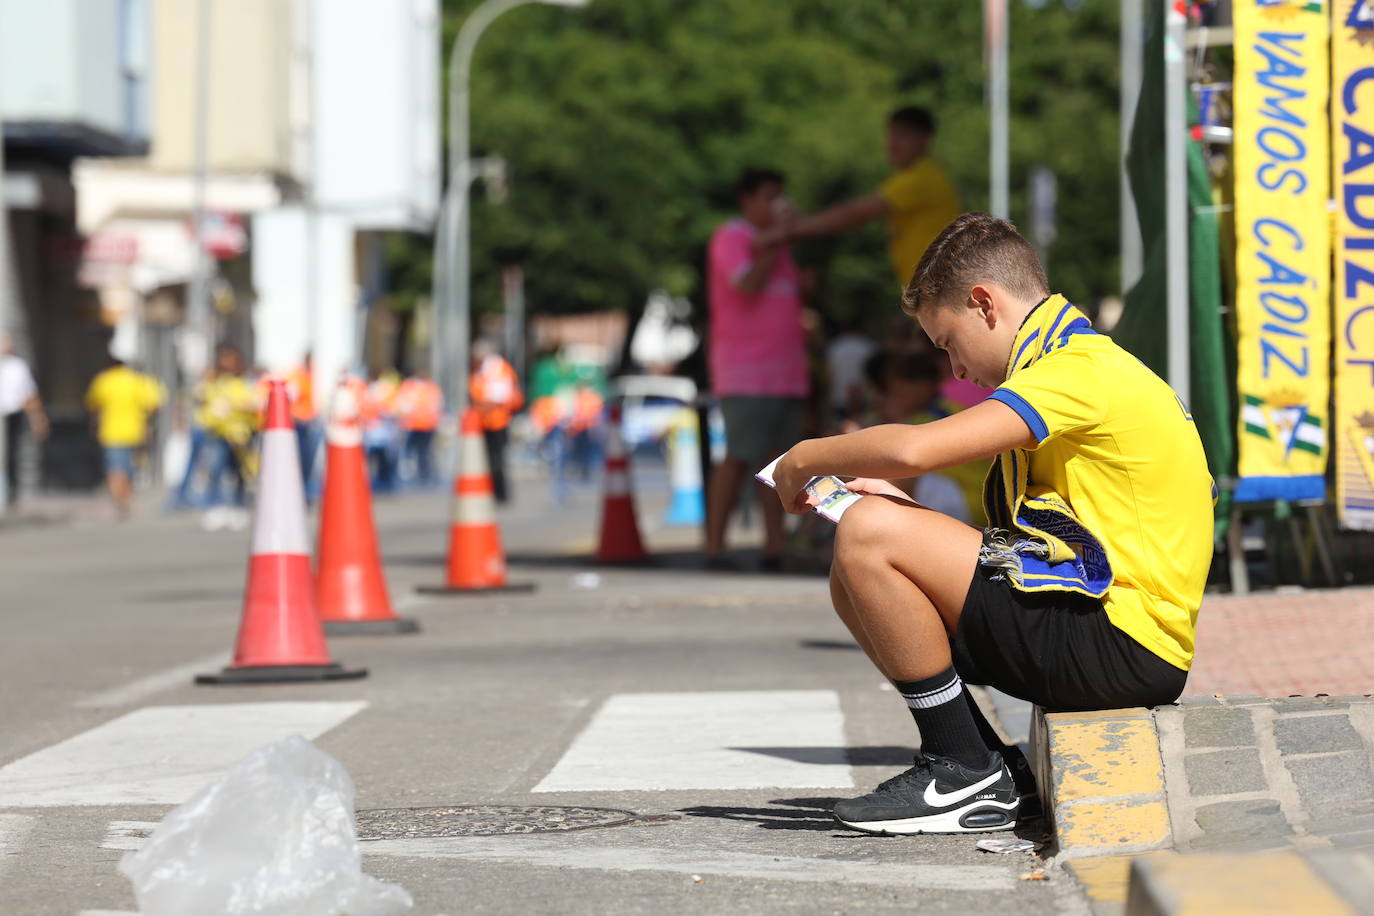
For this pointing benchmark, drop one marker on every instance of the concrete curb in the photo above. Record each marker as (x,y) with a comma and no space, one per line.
(1291,881)
(1101,779)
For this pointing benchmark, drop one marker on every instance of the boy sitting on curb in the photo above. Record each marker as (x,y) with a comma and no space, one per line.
(1084,591)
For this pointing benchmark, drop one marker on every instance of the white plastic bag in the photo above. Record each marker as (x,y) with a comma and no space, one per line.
(273,837)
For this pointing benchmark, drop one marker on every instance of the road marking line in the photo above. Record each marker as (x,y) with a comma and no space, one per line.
(554,852)
(127,836)
(744,739)
(159,754)
(132,693)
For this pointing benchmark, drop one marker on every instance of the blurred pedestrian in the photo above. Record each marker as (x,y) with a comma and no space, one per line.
(918,200)
(185,496)
(231,419)
(758,357)
(18,399)
(420,406)
(300,384)
(845,355)
(382,430)
(496,395)
(122,400)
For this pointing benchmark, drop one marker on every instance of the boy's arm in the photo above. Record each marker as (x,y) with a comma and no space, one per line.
(833,220)
(895,451)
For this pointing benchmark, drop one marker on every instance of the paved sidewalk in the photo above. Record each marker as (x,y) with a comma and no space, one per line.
(1251,774)
(1286,643)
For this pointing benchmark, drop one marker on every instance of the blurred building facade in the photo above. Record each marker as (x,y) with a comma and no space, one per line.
(73,83)
(321,128)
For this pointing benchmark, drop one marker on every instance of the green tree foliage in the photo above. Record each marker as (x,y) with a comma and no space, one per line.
(625,123)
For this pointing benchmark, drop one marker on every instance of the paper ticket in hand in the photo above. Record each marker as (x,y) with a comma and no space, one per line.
(827,496)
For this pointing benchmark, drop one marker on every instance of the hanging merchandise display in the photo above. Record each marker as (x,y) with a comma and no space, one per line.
(1352,169)
(1283,248)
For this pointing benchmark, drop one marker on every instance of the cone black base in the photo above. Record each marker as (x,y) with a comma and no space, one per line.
(281,674)
(514,587)
(371,627)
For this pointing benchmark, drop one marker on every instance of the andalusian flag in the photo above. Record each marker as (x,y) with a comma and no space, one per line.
(1252,415)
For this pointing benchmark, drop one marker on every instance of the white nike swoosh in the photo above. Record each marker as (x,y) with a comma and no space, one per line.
(937,799)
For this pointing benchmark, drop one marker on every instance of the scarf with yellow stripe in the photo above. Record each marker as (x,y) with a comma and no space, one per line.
(1036,542)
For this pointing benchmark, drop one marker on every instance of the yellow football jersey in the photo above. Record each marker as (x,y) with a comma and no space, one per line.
(1121,450)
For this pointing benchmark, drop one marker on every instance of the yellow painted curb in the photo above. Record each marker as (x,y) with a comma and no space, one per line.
(1102,778)
(1216,884)
(1104,879)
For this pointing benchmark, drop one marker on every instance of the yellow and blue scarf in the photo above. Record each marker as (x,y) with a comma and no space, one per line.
(1036,542)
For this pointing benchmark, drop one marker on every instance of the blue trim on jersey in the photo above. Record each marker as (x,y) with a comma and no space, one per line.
(1026,343)
(1024,411)
(1051,333)
(1264,489)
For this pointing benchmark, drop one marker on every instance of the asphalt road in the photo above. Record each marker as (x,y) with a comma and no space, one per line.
(728,709)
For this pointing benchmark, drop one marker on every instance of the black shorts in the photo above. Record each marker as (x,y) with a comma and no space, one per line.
(1056,649)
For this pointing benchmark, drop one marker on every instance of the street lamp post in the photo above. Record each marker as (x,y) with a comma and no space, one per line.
(454,316)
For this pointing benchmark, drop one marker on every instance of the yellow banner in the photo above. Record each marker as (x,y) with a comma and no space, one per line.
(1352,165)
(1283,247)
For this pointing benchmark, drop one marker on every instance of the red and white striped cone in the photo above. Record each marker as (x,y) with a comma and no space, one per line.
(280,635)
(350,584)
(476,562)
(620,541)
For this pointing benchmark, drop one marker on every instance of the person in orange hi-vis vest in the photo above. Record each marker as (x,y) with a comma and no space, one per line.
(300,385)
(420,405)
(495,394)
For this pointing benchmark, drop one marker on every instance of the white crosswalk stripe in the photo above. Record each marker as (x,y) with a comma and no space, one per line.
(739,739)
(158,754)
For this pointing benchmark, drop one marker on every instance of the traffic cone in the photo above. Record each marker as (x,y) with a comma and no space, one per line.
(476,563)
(280,635)
(688,503)
(620,541)
(350,585)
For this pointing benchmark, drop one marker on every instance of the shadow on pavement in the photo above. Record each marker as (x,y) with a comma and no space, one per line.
(877,756)
(790,814)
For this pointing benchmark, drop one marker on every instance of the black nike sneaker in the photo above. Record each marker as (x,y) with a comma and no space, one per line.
(937,795)
(1024,779)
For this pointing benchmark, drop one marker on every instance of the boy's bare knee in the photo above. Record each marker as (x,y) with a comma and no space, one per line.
(866,528)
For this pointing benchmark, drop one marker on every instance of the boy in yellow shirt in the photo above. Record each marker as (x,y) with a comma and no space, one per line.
(916,201)
(1084,591)
(122,399)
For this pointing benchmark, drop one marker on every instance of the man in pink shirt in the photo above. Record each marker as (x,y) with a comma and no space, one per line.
(757,356)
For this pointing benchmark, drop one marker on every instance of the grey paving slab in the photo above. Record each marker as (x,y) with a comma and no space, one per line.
(1335,778)
(1218,727)
(1243,819)
(1316,735)
(1224,772)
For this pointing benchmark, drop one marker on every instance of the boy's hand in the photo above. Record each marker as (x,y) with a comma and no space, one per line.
(876,487)
(791,482)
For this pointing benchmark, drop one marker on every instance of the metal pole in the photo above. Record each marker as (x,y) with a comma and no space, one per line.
(1132,59)
(197,354)
(1176,196)
(996,27)
(457,306)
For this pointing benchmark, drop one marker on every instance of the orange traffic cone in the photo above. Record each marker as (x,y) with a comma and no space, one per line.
(620,541)
(476,563)
(280,635)
(350,585)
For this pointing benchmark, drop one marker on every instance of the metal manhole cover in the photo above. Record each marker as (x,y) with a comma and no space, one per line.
(491,820)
